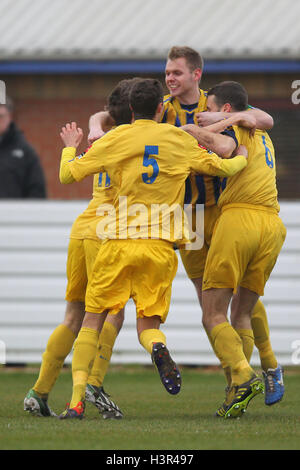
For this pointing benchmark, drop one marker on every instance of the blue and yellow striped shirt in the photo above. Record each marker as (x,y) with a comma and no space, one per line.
(200,189)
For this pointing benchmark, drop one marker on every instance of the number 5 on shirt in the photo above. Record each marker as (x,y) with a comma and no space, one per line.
(148,160)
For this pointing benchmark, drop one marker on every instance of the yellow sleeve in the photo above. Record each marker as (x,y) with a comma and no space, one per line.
(210,164)
(232,166)
(65,175)
(90,163)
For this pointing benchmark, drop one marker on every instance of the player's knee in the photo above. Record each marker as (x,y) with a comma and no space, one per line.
(211,318)
(74,316)
(117,320)
(208,322)
(147,323)
(207,319)
(241,318)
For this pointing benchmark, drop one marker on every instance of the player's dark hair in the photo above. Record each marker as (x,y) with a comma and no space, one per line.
(145,96)
(230,92)
(118,102)
(192,57)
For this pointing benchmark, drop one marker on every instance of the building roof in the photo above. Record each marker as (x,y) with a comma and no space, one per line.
(134,29)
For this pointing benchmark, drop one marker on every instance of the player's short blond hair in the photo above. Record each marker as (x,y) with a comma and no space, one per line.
(192,57)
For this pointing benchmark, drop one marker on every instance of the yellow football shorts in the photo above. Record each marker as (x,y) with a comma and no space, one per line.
(81,257)
(139,269)
(194,260)
(245,245)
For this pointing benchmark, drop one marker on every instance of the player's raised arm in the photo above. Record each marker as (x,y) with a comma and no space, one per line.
(222,145)
(74,168)
(234,119)
(227,98)
(99,124)
(201,161)
(71,136)
(263,120)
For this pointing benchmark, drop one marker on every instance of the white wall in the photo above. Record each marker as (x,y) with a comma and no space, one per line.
(33,247)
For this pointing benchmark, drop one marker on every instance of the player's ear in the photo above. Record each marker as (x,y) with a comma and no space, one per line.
(198,74)
(160,107)
(227,108)
(159,111)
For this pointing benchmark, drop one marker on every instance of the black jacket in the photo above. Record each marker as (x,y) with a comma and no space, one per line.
(21,175)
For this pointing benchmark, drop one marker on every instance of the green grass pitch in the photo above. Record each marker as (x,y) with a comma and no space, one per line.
(153,419)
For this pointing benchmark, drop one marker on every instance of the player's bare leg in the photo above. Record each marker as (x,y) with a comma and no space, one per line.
(242,307)
(74,316)
(198,286)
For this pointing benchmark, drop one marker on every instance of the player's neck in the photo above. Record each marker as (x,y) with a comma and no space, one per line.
(190,97)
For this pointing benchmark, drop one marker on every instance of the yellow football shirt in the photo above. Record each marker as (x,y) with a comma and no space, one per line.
(256,184)
(148,164)
(85,224)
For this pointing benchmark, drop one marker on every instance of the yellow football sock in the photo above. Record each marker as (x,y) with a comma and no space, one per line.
(247,341)
(105,346)
(260,326)
(150,336)
(58,347)
(225,367)
(83,357)
(229,349)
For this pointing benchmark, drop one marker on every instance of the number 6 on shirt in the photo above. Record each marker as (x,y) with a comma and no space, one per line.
(150,150)
(268,154)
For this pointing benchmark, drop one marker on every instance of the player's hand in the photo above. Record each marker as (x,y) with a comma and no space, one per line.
(207,118)
(246,119)
(95,134)
(71,135)
(252,131)
(241,150)
(252,123)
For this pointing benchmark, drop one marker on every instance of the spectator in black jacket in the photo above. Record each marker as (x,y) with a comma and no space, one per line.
(21,174)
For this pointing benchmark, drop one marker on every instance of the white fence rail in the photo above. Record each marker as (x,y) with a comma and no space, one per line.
(33,248)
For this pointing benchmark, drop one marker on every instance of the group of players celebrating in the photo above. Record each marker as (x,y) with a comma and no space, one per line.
(190,147)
